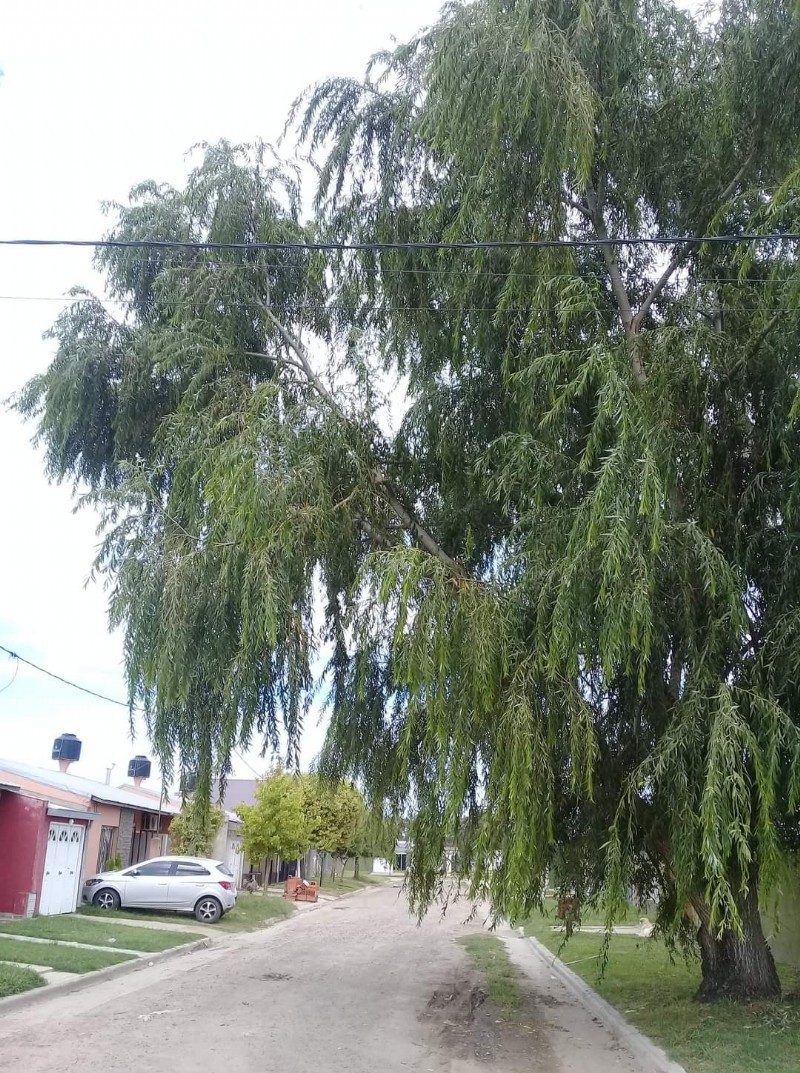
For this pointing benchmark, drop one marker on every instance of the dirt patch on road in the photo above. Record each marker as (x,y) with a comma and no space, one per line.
(465,1027)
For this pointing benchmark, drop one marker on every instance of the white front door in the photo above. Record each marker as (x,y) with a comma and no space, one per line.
(62,869)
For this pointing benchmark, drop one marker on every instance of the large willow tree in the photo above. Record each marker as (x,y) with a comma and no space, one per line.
(561,597)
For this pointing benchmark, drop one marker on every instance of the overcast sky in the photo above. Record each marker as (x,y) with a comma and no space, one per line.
(97,96)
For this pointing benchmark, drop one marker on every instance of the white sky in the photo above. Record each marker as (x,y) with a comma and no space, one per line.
(98,96)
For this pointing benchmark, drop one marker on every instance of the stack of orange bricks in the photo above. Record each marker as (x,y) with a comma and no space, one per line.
(297,890)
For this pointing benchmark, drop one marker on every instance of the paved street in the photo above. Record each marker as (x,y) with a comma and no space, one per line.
(349,986)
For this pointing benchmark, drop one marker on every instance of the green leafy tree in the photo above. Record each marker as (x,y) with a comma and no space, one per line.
(561,596)
(333,811)
(194,829)
(593,437)
(374,835)
(276,825)
(197,329)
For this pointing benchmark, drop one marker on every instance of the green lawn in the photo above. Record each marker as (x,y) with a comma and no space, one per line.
(348,884)
(252,911)
(657,995)
(14,980)
(589,916)
(490,957)
(75,930)
(63,958)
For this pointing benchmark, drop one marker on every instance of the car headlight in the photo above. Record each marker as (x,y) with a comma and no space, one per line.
(92,882)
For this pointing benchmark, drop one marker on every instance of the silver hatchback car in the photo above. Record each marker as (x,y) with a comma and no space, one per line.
(177,884)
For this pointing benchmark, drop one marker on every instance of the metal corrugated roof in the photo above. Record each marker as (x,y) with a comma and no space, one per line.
(76,784)
(70,812)
(230,816)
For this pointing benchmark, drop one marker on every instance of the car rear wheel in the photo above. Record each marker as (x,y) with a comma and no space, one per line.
(208,910)
(106,899)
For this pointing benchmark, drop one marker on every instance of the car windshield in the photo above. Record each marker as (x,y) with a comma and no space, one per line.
(224,869)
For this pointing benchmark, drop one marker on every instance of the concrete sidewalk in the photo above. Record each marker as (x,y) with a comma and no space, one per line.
(589,1030)
(50,976)
(154,925)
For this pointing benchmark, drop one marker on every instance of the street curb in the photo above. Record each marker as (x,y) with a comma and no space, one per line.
(38,994)
(652,1058)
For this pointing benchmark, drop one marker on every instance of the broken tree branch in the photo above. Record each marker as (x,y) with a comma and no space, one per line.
(579,206)
(762,334)
(680,255)
(377,478)
(279,359)
(429,543)
(610,257)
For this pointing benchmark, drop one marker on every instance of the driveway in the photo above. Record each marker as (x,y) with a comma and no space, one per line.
(345,987)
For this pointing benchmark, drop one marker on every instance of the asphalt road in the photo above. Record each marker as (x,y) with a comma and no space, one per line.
(345,987)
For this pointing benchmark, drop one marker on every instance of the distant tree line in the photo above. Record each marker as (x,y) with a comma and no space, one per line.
(295,813)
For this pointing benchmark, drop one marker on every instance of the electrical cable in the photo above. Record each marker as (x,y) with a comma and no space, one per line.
(68,682)
(688,296)
(375,247)
(258,775)
(92,693)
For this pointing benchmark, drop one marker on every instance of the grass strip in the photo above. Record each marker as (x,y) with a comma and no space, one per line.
(63,958)
(14,980)
(489,956)
(656,993)
(76,930)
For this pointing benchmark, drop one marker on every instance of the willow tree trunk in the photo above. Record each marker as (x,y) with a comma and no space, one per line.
(736,966)
(356,868)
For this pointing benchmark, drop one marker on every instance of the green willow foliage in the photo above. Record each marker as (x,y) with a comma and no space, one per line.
(606,440)
(561,597)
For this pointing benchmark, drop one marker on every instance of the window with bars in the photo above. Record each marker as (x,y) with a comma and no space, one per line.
(107,837)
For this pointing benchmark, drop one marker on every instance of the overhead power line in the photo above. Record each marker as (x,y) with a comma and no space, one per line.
(682,300)
(366,247)
(711,281)
(69,682)
(258,774)
(92,693)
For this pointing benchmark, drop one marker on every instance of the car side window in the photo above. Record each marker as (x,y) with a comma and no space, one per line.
(152,868)
(187,869)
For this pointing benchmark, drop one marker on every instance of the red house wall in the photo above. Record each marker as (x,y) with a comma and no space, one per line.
(23,844)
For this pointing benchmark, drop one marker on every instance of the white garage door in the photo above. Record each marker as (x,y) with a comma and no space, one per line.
(62,869)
